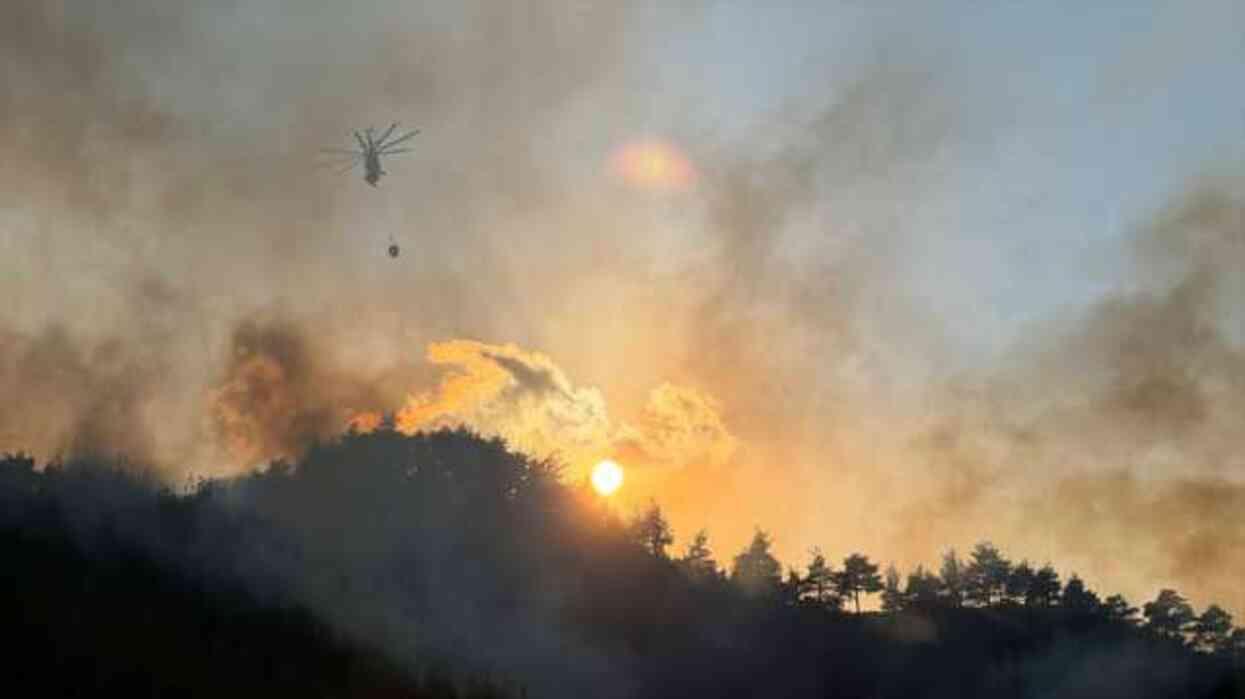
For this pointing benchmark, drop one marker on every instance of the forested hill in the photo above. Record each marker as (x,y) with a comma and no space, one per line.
(116,623)
(379,557)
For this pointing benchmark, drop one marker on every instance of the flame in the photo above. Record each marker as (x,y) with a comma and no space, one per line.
(365,422)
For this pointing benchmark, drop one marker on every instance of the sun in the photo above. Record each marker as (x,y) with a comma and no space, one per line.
(607,477)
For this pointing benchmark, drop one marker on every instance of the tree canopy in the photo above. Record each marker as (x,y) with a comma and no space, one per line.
(377,555)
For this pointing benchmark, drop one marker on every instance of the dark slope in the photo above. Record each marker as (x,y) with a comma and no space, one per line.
(377,555)
(116,623)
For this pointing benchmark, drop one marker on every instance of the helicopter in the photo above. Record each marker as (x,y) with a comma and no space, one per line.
(371,149)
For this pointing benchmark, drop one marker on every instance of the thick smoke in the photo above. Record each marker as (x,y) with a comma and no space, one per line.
(753,342)
(679,425)
(185,154)
(518,395)
(1114,430)
(92,399)
(527,399)
(278,395)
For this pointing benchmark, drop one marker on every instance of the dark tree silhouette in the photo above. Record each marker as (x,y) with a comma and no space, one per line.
(697,562)
(1020,584)
(1117,609)
(1211,630)
(986,575)
(1169,615)
(892,594)
(859,576)
(953,578)
(922,589)
(755,571)
(790,590)
(651,530)
(818,584)
(387,565)
(1045,589)
(1235,650)
(1077,598)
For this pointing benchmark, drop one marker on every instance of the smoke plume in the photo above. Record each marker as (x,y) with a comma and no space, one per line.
(759,345)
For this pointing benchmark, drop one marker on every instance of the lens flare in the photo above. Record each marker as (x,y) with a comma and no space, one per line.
(607,477)
(652,165)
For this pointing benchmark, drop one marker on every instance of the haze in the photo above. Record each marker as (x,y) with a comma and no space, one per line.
(909,275)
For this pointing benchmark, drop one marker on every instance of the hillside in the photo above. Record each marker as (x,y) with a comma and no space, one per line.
(377,557)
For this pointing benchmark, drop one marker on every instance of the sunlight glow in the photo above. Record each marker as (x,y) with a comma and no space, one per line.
(652,165)
(607,477)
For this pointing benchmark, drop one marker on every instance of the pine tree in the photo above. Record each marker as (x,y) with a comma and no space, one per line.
(698,562)
(1045,589)
(791,589)
(858,575)
(893,599)
(1169,615)
(1020,584)
(922,589)
(1212,629)
(755,571)
(818,582)
(985,578)
(1116,608)
(651,530)
(952,576)
(1078,598)
(1236,647)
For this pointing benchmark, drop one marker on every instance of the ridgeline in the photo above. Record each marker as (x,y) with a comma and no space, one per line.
(447,565)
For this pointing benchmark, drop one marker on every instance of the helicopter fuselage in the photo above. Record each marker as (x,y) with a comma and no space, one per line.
(371,167)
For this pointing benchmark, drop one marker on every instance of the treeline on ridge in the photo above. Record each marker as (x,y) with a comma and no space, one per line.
(375,557)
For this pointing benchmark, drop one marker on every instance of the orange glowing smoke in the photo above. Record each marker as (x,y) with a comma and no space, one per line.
(253,408)
(653,165)
(478,381)
(365,422)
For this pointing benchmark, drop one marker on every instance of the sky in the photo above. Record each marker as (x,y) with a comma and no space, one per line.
(885,276)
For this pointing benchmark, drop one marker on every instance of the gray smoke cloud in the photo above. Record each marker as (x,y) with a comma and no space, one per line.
(1113,430)
(178,145)
(188,288)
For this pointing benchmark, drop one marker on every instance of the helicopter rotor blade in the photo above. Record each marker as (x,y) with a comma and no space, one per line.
(395,150)
(380,142)
(362,144)
(402,138)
